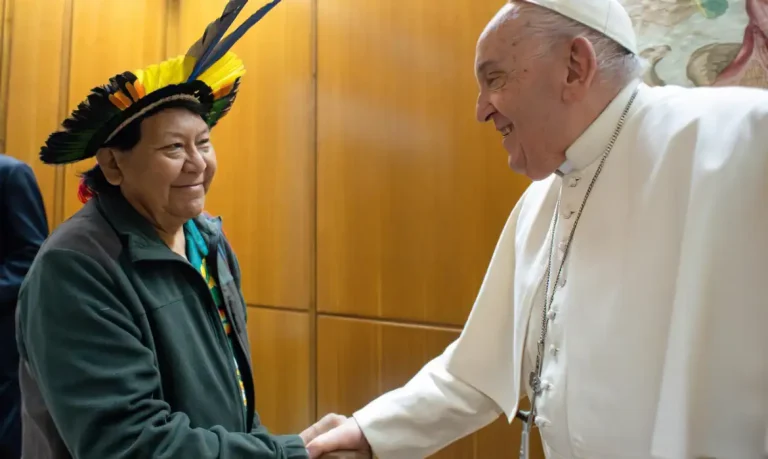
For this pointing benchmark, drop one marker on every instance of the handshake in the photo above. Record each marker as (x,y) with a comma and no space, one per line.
(336,437)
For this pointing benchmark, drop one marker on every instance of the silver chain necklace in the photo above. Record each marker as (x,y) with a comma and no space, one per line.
(534,378)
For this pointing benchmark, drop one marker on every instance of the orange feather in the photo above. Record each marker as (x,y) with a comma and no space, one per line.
(117,102)
(124,99)
(140,89)
(134,93)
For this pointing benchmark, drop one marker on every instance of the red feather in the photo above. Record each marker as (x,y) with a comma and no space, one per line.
(84,193)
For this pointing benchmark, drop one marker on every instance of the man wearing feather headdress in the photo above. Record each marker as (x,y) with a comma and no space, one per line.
(131,322)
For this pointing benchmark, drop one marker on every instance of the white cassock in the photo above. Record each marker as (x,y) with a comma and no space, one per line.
(656,339)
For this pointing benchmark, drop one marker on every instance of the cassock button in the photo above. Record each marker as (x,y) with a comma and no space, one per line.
(561,282)
(568,213)
(553,349)
(562,246)
(542,422)
(573,182)
(578,442)
(551,314)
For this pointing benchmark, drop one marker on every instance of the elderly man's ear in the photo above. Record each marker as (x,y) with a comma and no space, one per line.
(582,68)
(108,162)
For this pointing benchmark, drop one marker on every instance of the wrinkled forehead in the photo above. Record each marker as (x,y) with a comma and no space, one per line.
(172,123)
(499,37)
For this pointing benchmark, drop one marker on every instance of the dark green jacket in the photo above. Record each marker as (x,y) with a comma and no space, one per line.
(123,354)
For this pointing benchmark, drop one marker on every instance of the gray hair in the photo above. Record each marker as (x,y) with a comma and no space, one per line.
(615,63)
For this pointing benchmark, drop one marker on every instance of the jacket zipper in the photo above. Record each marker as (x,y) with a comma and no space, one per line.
(213,256)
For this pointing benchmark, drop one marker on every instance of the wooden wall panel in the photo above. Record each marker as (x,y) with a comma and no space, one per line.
(264,188)
(105,42)
(280,344)
(361,359)
(412,191)
(33,86)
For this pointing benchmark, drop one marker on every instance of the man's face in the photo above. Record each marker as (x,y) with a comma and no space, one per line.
(520,92)
(168,173)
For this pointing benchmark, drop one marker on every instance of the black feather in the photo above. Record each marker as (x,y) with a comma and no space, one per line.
(96,118)
(213,33)
(120,82)
(226,44)
(220,108)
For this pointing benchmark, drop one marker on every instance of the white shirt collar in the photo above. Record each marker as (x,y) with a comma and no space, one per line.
(565,168)
(591,144)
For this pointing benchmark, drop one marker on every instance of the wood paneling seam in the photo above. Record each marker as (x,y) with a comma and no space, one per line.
(171,29)
(389,321)
(265,307)
(277,308)
(313,344)
(64,78)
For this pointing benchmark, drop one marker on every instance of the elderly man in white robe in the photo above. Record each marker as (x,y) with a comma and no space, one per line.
(626,296)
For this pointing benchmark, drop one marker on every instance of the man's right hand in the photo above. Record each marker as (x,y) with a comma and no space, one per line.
(346,437)
(322,426)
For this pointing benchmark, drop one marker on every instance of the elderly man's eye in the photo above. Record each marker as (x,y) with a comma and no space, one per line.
(495,82)
(204,145)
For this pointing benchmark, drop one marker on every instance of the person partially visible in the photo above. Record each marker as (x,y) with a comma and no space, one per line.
(23,228)
(131,323)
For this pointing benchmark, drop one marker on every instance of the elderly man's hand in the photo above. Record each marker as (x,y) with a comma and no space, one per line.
(346,437)
(328,422)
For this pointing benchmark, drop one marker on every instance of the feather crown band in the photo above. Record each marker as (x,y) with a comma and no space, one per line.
(209,74)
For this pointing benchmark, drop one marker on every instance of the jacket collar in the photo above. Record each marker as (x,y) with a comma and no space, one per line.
(138,233)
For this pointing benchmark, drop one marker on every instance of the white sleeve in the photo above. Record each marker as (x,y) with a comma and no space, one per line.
(470,385)
(431,411)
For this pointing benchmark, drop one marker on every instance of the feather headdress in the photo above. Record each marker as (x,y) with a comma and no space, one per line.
(209,74)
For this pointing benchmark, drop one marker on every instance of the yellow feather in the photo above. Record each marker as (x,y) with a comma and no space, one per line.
(224,72)
(163,74)
(221,74)
(189,64)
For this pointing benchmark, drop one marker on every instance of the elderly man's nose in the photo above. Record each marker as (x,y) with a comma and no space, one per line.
(196,162)
(483,110)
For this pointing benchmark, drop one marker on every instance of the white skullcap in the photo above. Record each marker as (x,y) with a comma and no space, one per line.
(605,16)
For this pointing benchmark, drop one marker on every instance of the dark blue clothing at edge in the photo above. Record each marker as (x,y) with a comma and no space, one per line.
(23,228)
